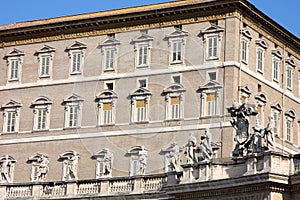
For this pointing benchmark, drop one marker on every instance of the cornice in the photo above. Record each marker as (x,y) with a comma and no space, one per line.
(140,17)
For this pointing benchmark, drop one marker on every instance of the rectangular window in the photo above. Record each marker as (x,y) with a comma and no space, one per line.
(142,83)
(176,51)
(14,69)
(288,130)
(211,104)
(41,119)
(76,62)
(212,47)
(289,78)
(109,59)
(176,79)
(143,55)
(212,76)
(73,116)
(11,122)
(275,70)
(141,110)
(175,107)
(107,113)
(45,66)
(245,50)
(259,60)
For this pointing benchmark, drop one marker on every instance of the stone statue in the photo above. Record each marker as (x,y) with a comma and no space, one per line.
(240,123)
(268,134)
(43,169)
(72,164)
(173,157)
(190,150)
(205,146)
(143,163)
(5,170)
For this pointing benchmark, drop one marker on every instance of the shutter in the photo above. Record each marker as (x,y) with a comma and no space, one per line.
(174,100)
(140,55)
(210,97)
(140,103)
(107,106)
(145,55)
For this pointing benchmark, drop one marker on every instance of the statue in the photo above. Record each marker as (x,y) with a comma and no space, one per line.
(43,169)
(143,163)
(6,169)
(190,150)
(70,165)
(268,135)
(104,163)
(240,123)
(205,146)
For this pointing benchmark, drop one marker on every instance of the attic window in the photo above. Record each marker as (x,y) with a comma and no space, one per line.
(178,27)
(111,35)
(215,22)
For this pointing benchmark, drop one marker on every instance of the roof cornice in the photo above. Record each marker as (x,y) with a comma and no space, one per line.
(123,19)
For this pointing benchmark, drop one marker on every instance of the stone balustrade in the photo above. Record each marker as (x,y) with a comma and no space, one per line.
(249,166)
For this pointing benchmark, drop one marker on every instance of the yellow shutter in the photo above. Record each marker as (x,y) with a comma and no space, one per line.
(140,103)
(174,100)
(107,106)
(210,97)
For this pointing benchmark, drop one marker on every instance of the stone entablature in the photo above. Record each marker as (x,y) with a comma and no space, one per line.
(263,174)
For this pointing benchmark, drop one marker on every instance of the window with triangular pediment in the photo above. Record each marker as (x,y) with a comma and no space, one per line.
(45,57)
(109,51)
(11,116)
(76,54)
(14,61)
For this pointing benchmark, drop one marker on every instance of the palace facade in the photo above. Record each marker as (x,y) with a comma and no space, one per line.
(107,104)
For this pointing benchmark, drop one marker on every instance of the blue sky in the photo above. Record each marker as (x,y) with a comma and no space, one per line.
(284,12)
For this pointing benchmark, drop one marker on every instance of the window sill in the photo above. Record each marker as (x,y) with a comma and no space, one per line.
(174,120)
(38,131)
(70,128)
(211,116)
(143,122)
(212,58)
(142,66)
(106,125)
(245,62)
(75,73)
(177,62)
(8,133)
(44,76)
(109,70)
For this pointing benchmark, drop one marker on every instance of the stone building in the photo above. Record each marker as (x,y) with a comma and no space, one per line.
(134,103)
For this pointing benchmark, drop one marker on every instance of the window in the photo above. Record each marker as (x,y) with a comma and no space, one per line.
(76,53)
(212,36)
(246,37)
(211,76)
(276,71)
(45,58)
(109,53)
(289,120)
(41,112)
(73,111)
(259,60)
(106,107)
(14,61)
(209,94)
(289,77)
(139,105)
(176,51)
(142,47)
(142,83)
(176,43)
(174,101)
(109,85)
(109,59)
(212,47)
(11,116)
(260,51)
(211,104)
(176,79)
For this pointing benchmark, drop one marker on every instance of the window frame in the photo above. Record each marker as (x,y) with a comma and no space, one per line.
(72,120)
(12,107)
(106,97)
(141,94)
(78,49)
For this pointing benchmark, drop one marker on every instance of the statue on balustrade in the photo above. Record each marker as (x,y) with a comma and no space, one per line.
(70,165)
(205,146)
(7,169)
(40,167)
(190,150)
(104,163)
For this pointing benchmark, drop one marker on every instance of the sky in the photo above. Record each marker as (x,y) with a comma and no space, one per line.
(284,12)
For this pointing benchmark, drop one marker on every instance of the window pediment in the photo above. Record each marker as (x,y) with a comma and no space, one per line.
(41,101)
(69,154)
(211,85)
(213,28)
(46,49)
(76,46)
(15,53)
(261,97)
(11,104)
(245,89)
(101,154)
(290,113)
(247,33)
(291,61)
(7,158)
(38,157)
(277,107)
(106,94)
(177,34)
(141,92)
(143,38)
(137,150)
(262,43)
(73,98)
(277,53)
(110,42)
(174,88)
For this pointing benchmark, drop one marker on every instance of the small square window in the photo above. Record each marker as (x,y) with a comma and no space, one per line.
(176,79)
(212,76)
(178,27)
(109,85)
(143,83)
